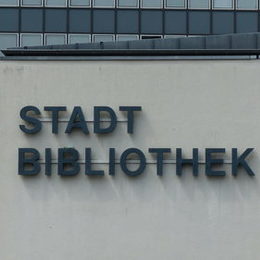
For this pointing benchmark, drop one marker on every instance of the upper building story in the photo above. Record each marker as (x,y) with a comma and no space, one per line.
(46,22)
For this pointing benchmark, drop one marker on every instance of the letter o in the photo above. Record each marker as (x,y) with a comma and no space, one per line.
(123,162)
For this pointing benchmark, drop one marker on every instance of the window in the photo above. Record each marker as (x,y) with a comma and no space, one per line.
(30,40)
(246,4)
(8,40)
(9,2)
(147,37)
(55,20)
(199,22)
(56,3)
(79,20)
(103,38)
(199,4)
(31,14)
(104,21)
(128,3)
(222,22)
(31,2)
(223,4)
(251,24)
(152,3)
(175,22)
(127,37)
(52,39)
(103,3)
(9,19)
(79,3)
(127,21)
(175,3)
(151,22)
(79,38)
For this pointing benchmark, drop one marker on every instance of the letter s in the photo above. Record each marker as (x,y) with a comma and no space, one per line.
(37,126)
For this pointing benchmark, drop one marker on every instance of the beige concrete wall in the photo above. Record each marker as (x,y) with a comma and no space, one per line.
(185,104)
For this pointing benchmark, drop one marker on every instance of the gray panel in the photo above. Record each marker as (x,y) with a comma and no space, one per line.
(176,22)
(9,20)
(192,43)
(127,21)
(79,20)
(218,42)
(29,15)
(223,22)
(199,22)
(246,22)
(55,20)
(151,22)
(244,41)
(103,21)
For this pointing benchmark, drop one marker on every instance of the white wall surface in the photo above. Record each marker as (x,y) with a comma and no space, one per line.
(185,104)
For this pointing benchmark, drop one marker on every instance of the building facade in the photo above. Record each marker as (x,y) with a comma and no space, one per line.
(45,22)
(187,104)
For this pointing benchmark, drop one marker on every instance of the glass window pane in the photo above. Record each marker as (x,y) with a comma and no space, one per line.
(199,22)
(56,3)
(247,4)
(127,37)
(32,2)
(79,20)
(175,3)
(31,40)
(223,22)
(198,3)
(8,41)
(103,3)
(8,2)
(80,2)
(128,3)
(79,38)
(31,14)
(151,22)
(51,39)
(222,3)
(103,38)
(9,19)
(247,22)
(55,20)
(104,21)
(175,22)
(151,3)
(127,21)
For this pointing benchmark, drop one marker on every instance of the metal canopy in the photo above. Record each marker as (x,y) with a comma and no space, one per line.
(228,44)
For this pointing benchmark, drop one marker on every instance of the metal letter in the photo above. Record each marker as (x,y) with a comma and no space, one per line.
(32,161)
(31,120)
(240,161)
(130,116)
